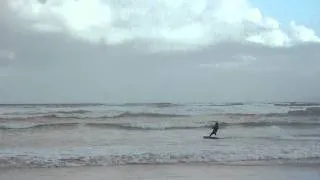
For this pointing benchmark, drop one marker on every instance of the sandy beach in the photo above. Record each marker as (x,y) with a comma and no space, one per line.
(157,172)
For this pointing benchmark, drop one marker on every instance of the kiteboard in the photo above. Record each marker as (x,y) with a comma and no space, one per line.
(210,137)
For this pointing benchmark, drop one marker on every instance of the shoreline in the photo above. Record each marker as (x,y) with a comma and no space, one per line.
(167,171)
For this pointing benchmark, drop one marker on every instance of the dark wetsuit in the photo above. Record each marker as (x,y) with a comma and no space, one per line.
(215,129)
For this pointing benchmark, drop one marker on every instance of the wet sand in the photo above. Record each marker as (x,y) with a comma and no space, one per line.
(157,172)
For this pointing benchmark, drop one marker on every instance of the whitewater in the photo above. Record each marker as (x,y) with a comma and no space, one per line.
(69,135)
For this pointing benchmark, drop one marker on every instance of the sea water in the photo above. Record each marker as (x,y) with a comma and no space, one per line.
(67,135)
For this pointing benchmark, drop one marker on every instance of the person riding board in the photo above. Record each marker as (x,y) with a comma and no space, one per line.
(214,129)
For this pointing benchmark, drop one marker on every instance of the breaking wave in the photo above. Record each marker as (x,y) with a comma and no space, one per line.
(128,126)
(153,110)
(293,104)
(311,111)
(157,126)
(26,161)
(81,114)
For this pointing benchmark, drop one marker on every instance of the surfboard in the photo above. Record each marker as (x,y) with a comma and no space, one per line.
(208,137)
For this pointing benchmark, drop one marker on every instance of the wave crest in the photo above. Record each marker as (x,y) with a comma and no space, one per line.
(144,158)
(145,114)
(157,126)
(293,104)
(311,111)
(82,115)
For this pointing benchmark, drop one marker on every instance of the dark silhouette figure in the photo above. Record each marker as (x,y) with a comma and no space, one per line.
(214,129)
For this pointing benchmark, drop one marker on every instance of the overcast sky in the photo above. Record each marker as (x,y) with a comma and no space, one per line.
(160,50)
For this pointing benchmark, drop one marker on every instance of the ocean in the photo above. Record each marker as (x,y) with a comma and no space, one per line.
(72,135)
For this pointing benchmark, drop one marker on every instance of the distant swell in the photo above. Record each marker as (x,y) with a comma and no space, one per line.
(227,104)
(145,114)
(50,113)
(280,123)
(159,105)
(44,116)
(310,111)
(39,126)
(73,112)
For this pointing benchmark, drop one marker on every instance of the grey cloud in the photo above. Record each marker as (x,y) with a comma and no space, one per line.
(54,67)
